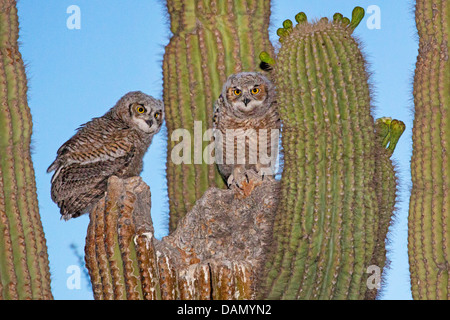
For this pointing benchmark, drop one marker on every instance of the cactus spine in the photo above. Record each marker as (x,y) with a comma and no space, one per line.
(429,211)
(211,40)
(338,184)
(24,271)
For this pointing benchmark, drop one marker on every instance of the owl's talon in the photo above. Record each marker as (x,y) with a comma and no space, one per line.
(236,180)
(252,180)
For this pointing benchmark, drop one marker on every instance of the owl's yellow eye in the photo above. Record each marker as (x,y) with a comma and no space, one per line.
(255,91)
(237,92)
(157,115)
(140,109)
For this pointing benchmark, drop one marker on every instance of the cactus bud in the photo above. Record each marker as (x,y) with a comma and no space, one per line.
(397,128)
(287,25)
(301,17)
(357,15)
(337,17)
(265,57)
(345,21)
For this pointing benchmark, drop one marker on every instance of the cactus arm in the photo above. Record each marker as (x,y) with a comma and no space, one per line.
(327,228)
(24,273)
(429,204)
(8,275)
(11,158)
(385,185)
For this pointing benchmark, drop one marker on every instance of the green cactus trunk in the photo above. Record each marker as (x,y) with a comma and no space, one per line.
(338,184)
(211,40)
(429,211)
(24,270)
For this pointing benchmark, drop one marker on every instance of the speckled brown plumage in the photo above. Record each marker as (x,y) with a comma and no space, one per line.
(113,144)
(251,107)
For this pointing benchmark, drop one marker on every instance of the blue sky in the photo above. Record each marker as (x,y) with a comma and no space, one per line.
(75,75)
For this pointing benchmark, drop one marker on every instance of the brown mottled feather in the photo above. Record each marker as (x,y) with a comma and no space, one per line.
(227,116)
(105,146)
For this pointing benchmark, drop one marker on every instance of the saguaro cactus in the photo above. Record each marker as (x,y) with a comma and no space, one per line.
(24,271)
(211,40)
(214,253)
(429,211)
(338,185)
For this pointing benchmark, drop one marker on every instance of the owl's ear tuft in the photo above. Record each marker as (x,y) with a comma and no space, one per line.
(130,109)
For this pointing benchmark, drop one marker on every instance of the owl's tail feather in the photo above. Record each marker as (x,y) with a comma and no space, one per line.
(78,205)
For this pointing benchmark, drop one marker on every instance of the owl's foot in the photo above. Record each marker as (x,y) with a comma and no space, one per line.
(245,181)
(236,176)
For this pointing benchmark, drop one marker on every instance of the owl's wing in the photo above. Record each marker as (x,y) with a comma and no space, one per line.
(78,186)
(89,145)
(84,163)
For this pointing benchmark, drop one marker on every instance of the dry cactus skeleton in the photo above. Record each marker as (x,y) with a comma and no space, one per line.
(215,253)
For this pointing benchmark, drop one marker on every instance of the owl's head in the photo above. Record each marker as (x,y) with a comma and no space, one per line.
(141,111)
(248,93)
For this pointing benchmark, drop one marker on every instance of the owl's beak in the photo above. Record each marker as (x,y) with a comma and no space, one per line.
(246,101)
(149,122)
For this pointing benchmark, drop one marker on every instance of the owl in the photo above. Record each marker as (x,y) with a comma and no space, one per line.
(246,125)
(113,144)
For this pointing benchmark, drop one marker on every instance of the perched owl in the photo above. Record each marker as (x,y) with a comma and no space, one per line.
(244,116)
(113,144)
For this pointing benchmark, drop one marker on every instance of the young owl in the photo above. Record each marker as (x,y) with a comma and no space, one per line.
(113,144)
(244,116)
